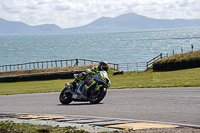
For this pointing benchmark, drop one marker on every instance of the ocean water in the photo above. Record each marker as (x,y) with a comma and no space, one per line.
(131,47)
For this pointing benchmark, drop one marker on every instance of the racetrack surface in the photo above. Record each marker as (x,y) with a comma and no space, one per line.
(176,105)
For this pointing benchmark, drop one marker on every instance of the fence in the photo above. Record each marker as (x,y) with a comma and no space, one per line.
(126,67)
(150,63)
(132,67)
(49,64)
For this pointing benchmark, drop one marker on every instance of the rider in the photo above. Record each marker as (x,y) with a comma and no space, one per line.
(103,66)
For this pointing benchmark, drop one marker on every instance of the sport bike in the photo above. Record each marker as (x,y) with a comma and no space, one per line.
(95,92)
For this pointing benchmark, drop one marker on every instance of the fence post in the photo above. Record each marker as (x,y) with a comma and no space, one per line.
(137,66)
(160,55)
(56,63)
(76,64)
(192,47)
(47,64)
(51,63)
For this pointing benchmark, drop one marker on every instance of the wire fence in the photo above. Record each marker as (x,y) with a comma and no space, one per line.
(133,67)
(126,67)
(50,64)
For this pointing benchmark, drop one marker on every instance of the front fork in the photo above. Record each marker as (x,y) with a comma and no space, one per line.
(67,85)
(98,87)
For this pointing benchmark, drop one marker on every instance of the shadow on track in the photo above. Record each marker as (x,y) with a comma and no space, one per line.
(77,104)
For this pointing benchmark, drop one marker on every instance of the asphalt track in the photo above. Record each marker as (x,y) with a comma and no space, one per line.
(175,105)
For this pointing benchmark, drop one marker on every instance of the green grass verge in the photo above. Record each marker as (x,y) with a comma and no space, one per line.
(180,78)
(10,127)
(150,79)
(190,56)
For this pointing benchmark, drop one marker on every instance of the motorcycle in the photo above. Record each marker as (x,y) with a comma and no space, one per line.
(95,92)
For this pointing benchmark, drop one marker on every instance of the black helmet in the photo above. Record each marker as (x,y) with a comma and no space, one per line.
(103,66)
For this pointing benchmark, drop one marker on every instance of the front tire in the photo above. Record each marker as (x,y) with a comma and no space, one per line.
(98,96)
(65,97)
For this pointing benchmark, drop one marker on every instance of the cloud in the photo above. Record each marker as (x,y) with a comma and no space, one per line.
(73,13)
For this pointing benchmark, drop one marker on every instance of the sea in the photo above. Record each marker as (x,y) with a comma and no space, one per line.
(118,47)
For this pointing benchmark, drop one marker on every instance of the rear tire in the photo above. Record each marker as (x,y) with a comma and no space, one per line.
(65,97)
(98,96)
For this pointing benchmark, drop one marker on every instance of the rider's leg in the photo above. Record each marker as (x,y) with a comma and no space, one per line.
(73,84)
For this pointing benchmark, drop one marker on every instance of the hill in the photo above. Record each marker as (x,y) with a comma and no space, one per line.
(178,61)
(133,22)
(123,23)
(11,27)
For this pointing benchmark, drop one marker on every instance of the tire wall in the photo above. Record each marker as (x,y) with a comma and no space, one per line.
(41,76)
(170,66)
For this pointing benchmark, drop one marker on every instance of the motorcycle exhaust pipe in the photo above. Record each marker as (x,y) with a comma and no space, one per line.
(68,88)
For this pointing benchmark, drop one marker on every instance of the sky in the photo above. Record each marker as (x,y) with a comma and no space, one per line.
(75,13)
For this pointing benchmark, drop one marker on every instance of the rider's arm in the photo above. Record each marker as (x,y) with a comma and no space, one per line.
(95,69)
(92,71)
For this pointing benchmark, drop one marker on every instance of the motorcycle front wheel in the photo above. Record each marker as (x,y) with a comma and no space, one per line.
(97,96)
(65,97)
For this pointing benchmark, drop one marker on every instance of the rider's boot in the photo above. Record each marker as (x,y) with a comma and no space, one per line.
(79,90)
(82,91)
(73,84)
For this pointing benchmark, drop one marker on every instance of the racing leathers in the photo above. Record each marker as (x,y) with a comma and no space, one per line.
(85,82)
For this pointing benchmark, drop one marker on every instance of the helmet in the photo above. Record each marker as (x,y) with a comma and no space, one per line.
(103,66)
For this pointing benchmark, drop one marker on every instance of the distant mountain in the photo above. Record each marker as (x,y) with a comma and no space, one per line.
(132,22)
(10,27)
(122,23)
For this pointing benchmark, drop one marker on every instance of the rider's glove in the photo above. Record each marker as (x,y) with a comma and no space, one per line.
(93,73)
(88,71)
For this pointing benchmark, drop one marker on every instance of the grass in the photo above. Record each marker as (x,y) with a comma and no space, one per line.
(149,79)
(190,56)
(10,127)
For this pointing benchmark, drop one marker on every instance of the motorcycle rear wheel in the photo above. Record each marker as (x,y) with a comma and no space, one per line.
(65,97)
(98,96)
